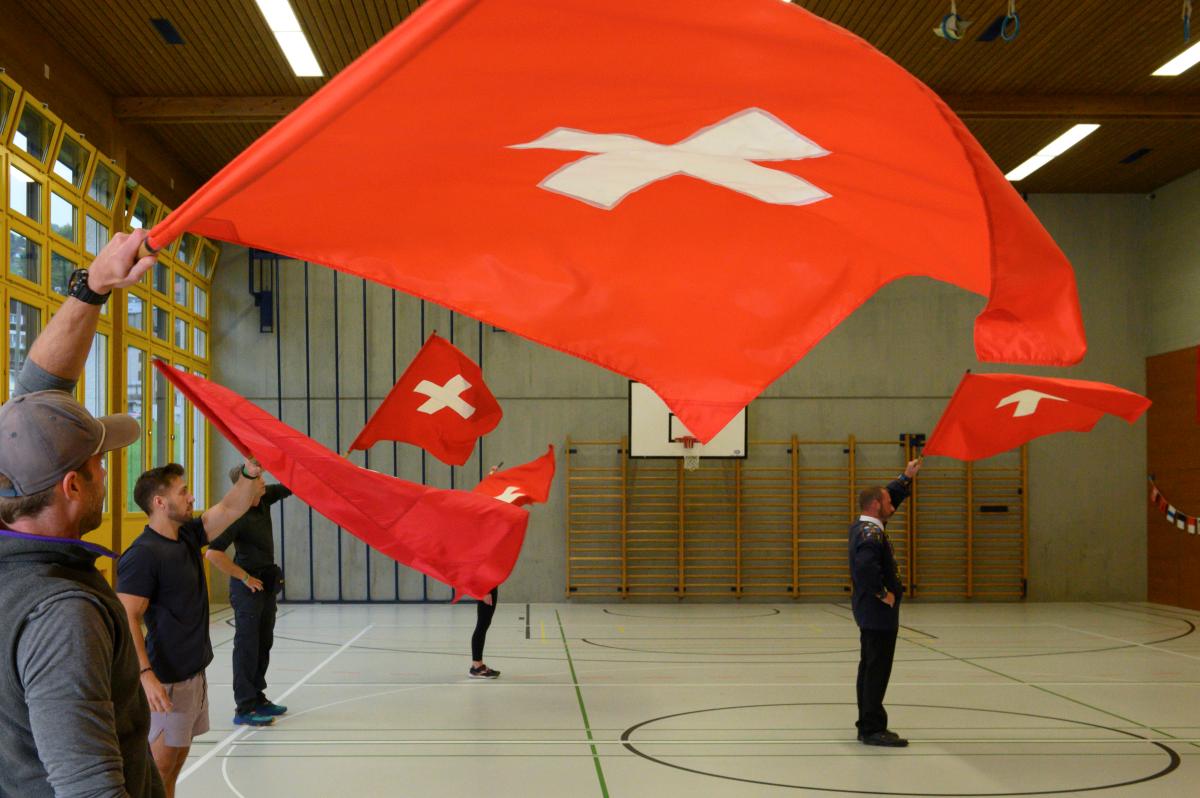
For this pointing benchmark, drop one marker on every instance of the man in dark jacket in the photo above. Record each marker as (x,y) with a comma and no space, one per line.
(876,603)
(73,717)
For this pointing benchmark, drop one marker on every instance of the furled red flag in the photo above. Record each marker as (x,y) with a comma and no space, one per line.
(523,484)
(992,413)
(467,541)
(689,194)
(440,403)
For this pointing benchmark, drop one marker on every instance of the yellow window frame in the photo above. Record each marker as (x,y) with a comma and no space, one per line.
(115,219)
(85,184)
(79,217)
(17,223)
(10,121)
(36,176)
(41,108)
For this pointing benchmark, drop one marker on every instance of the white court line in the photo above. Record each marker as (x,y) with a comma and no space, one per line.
(1129,642)
(192,768)
(708,685)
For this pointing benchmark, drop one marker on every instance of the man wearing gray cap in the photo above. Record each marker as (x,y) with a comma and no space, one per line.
(73,717)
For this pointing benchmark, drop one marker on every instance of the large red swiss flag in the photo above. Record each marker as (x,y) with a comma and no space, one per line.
(468,541)
(992,413)
(691,194)
(440,403)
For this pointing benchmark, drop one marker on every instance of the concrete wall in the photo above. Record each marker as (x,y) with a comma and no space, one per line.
(889,369)
(1173,267)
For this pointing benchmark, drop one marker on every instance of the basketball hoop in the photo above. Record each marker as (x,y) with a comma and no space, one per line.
(691,452)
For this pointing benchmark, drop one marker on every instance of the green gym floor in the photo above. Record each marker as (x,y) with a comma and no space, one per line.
(657,700)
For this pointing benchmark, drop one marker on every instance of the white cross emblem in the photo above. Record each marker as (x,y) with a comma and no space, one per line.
(510,494)
(1026,402)
(442,396)
(721,154)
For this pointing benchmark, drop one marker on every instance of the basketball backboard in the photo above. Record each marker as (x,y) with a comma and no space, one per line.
(654,431)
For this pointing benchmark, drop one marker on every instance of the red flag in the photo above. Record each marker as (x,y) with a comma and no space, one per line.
(689,194)
(524,484)
(440,403)
(992,413)
(469,542)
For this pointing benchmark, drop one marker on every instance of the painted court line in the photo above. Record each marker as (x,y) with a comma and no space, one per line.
(192,768)
(1129,642)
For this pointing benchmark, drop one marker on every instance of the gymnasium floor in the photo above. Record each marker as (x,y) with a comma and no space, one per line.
(698,700)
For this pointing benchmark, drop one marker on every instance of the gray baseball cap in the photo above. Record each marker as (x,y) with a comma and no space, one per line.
(45,435)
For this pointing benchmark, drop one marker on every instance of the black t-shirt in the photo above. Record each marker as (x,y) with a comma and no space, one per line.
(170,573)
(253,535)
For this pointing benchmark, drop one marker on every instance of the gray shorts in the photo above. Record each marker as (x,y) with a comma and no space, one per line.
(188,717)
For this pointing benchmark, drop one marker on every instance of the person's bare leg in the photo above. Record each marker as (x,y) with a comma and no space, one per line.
(169,761)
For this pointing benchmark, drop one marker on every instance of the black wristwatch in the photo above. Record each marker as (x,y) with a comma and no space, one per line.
(77,287)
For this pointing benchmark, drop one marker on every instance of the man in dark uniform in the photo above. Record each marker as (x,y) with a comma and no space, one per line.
(254,581)
(876,603)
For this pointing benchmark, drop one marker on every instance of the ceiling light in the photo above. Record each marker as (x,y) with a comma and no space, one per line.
(281,19)
(1180,63)
(1051,151)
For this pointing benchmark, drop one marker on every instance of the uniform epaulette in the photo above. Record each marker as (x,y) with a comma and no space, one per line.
(871,531)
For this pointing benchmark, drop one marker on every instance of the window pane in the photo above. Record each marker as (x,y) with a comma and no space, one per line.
(162,324)
(24,194)
(136,310)
(24,322)
(7,96)
(201,348)
(64,217)
(33,133)
(95,235)
(72,161)
(104,186)
(60,272)
(200,302)
(162,277)
(199,456)
(179,433)
(95,377)
(135,362)
(143,214)
(208,261)
(24,257)
(181,290)
(158,422)
(187,248)
(181,334)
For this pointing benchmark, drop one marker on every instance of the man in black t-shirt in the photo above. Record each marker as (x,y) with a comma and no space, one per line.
(160,578)
(254,581)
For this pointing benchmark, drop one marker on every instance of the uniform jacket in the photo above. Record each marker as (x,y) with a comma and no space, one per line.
(873,568)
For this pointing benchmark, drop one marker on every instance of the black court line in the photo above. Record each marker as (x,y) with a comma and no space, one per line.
(592,642)
(1173,762)
(526,621)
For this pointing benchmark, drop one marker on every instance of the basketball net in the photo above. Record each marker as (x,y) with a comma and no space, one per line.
(691,452)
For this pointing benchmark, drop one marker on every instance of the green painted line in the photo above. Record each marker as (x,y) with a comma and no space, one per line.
(582,709)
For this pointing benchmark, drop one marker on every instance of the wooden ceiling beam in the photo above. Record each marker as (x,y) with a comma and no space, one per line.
(203,110)
(1078,107)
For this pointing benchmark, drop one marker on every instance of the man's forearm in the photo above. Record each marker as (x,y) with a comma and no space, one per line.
(62,348)
(225,565)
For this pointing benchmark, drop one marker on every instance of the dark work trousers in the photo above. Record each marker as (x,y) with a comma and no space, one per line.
(483,619)
(874,670)
(254,619)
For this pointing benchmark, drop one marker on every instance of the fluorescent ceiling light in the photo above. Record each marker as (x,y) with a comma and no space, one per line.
(1180,63)
(281,19)
(1051,151)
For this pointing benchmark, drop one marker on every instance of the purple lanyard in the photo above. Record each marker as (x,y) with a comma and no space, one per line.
(95,548)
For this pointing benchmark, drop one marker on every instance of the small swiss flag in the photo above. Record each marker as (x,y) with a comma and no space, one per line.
(523,484)
(992,413)
(440,403)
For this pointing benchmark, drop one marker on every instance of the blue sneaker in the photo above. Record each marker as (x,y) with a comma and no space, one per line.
(269,709)
(252,718)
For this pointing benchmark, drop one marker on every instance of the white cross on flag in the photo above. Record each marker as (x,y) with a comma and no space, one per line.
(523,484)
(992,413)
(440,403)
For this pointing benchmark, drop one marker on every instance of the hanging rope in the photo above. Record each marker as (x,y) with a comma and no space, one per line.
(1011,25)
